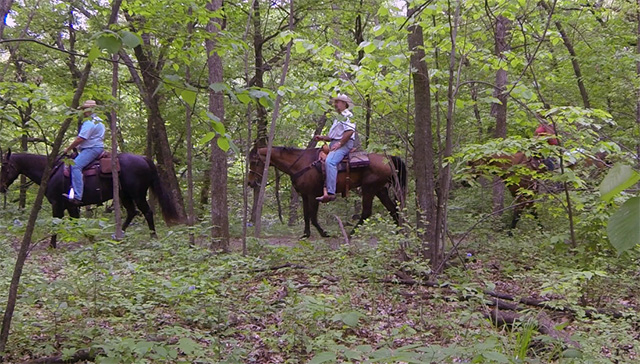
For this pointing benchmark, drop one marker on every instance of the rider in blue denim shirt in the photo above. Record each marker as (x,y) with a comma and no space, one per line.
(341,137)
(90,144)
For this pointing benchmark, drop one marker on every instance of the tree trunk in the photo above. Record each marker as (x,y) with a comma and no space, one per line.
(423,139)
(499,110)
(219,204)
(272,130)
(114,153)
(438,247)
(150,75)
(258,81)
(574,58)
(37,204)
(638,89)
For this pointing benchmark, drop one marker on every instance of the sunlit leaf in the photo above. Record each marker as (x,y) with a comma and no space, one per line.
(188,96)
(619,178)
(223,143)
(94,53)
(130,39)
(109,42)
(623,228)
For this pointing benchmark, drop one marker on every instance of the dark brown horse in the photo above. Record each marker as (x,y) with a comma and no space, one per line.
(304,168)
(522,175)
(136,176)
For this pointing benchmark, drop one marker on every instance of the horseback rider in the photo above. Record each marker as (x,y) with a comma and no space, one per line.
(90,144)
(548,132)
(341,137)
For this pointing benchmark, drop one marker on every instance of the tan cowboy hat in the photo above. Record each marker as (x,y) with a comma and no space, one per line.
(88,104)
(345,98)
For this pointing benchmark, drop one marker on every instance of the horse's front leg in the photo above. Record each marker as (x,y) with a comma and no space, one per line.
(367,208)
(57,210)
(305,210)
(313,215)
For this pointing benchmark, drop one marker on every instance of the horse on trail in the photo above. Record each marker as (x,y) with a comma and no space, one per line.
(136,175)
(303,165)
(521,174)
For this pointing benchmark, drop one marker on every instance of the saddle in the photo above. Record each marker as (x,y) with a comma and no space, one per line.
(100,166)
(353,160)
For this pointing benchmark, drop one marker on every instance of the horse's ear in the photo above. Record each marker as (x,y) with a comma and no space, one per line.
(8,153)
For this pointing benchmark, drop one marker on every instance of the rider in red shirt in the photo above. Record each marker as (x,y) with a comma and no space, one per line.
(547,130)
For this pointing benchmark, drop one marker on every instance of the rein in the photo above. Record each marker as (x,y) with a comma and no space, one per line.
(304,170)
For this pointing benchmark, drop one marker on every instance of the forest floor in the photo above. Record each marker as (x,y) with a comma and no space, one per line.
(502,299)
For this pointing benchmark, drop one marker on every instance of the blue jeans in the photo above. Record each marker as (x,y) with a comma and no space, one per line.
(331,164)
(83,159)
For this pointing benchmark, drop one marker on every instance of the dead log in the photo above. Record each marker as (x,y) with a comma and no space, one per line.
(80,355)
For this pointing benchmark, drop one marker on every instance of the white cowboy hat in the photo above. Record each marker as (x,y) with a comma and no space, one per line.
(88,104)
(345,98)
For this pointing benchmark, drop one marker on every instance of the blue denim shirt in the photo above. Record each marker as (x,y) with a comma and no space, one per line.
(92,131)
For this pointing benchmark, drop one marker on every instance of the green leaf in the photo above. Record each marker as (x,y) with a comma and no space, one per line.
(130,39)
(572,353)
(94,53)
(623,228)
(218,87)
(218,127)
(223,143)
(369,47)
(188,96)
(188,346)
(207,137)
(109,42)
(325,356)
(244,98)
(494,356)
(351,319)
(617,180)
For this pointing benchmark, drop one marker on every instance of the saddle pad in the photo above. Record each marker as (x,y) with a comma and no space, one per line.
(105,165)
(356,160)
(90,170)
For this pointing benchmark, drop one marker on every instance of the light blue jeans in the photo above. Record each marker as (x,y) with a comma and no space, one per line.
(331,164)
(83,159)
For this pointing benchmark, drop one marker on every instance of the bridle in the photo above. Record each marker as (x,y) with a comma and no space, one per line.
(294,176)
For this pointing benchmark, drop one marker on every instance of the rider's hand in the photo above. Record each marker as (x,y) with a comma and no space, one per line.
(318,138)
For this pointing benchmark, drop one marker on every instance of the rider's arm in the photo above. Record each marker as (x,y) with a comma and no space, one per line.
(74,144)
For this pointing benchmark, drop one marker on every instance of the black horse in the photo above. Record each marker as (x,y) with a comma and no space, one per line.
(136,175)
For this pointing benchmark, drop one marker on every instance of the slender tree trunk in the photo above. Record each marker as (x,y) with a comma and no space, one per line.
(272,130)
(437,254)
(150,72)
(37,204)
(219,204)
(423,138)
(574,58)
(114,152)
(499,110)
(638,89)
(187,117)
(258,81)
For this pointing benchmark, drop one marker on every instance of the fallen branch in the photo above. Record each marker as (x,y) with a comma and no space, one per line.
(80,355)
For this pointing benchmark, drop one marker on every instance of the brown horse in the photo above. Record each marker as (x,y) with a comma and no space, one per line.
(303,165)
(522,174)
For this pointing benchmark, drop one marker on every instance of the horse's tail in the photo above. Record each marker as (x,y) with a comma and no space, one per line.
(169,210)
(400,179)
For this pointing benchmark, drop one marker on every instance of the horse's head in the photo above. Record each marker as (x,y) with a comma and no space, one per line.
(8,172)
(256,168)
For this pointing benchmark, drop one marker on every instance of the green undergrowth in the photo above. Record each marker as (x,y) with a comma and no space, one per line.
(313,300)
